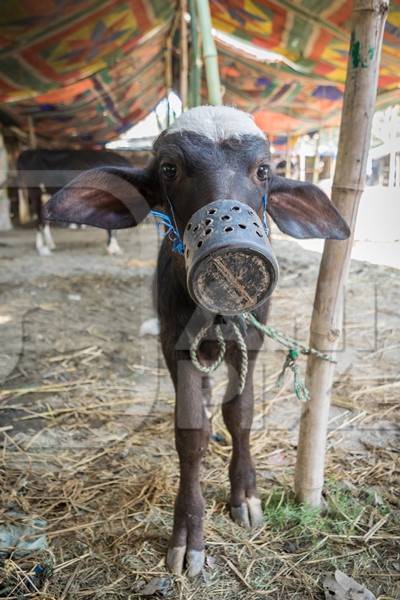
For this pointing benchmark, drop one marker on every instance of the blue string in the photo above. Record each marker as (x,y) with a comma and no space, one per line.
(171,231)
(264,215)
(174,235)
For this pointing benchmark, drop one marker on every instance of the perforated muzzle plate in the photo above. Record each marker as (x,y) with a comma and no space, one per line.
(230,264)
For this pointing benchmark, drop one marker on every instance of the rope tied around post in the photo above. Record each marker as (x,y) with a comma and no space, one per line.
(300,389)
(295,348)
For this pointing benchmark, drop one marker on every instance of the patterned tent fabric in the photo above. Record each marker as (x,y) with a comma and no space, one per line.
(312,34)
(83,70)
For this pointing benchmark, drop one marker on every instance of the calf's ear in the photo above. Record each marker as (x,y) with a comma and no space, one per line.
(303,210)
(106,197)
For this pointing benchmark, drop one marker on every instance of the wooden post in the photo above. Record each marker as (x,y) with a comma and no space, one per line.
(316,159)
(288,169)
(184,62)
(168,75)
(302,160)
(5,221)
(32,133)
(209,53)
(24,214)
(355,132)
(195,59)
(392,168)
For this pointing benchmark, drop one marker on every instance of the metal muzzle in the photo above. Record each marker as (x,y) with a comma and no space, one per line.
(230,264)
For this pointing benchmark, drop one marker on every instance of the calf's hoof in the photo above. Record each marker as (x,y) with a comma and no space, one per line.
(179,557)
(249,514)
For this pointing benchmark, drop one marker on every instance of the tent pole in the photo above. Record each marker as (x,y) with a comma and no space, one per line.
(23,201)
(209,53)
(5,221)
(196,64)
(184,63)
(32,133)
(316,158)
(288,169)
(355,133)
(168,76)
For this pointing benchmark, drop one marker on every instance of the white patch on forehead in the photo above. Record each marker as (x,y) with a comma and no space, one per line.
(216,122)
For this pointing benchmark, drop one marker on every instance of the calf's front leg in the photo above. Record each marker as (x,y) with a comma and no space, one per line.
(192,431)
(237,412)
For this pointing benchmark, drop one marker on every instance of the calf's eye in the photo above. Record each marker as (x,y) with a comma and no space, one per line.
(262,172)
(169,170)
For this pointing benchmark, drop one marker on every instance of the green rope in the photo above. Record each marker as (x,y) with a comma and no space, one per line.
(286,340)
(295,349)
(300,389)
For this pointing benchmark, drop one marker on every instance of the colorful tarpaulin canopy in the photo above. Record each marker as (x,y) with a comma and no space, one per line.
(84,71)
(306,91)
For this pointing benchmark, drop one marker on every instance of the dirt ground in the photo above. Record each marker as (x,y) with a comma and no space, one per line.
(86,421)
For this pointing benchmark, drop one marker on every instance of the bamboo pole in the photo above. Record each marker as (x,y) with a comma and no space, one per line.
(355,132)
(184,62)
(32,133)
(316,159)
(288,169)
(5,220)
(302,160)
(209,53)
(195,59)
(24,214)
(168,75)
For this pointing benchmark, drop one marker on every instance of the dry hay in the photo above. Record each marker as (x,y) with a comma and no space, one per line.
(79,455)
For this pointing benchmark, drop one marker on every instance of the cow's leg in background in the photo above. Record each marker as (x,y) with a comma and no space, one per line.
(35,199)
(48,238)
(44,240)
(237,410)
(113,248)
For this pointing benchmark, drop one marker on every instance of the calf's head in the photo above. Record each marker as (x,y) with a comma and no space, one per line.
(210,173)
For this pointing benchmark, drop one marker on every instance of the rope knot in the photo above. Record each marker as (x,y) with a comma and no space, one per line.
(294,347)
(239,338)
(299,387)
